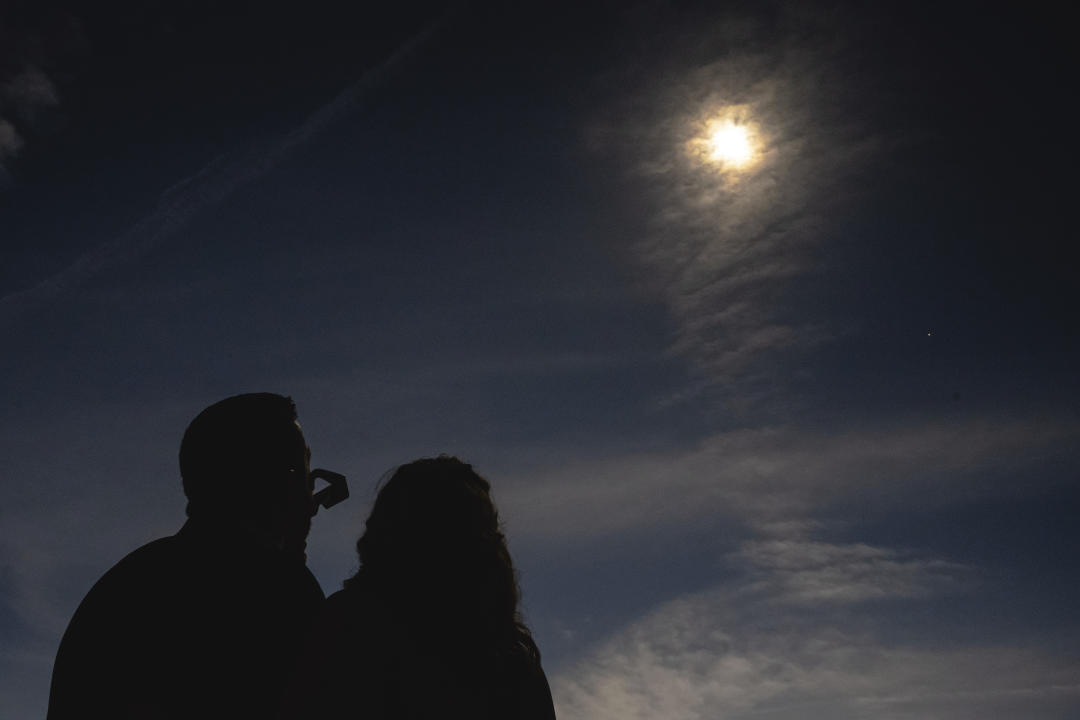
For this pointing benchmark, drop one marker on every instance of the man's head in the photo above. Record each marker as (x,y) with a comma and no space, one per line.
(244,461)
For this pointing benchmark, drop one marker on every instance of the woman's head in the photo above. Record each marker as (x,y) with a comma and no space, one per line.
(434,552)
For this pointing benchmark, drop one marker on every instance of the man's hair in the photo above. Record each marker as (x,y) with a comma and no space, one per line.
(233,445)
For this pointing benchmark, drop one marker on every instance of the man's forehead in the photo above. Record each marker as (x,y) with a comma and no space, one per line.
(307,450)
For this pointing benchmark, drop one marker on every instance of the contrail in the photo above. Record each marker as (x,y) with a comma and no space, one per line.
(215,182)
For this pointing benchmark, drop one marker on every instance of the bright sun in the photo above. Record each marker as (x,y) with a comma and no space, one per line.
(730,144)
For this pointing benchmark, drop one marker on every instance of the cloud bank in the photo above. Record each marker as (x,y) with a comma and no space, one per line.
(735,653)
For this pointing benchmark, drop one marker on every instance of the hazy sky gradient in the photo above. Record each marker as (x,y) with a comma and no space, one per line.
(796,443)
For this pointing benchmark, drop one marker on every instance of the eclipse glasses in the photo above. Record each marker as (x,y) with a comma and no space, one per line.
(335,491)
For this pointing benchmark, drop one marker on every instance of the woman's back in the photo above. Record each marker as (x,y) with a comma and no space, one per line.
(429,626)
(360,664)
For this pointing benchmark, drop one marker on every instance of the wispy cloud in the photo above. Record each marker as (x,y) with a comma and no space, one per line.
(725,244)
(23,98)
(10,142)
(28,93)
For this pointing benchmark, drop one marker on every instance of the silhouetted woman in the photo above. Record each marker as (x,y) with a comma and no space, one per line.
(429,626)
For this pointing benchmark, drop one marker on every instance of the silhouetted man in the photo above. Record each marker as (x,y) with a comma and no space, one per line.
(208,622)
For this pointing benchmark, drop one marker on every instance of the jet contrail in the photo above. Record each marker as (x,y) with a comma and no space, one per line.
(216,181)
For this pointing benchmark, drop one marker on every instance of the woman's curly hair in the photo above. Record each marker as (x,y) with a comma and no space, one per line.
(433,555)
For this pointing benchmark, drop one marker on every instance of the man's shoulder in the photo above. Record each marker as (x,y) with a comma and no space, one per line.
(115,601)
(151,553)
(185,569)
(141,567)
(147,558)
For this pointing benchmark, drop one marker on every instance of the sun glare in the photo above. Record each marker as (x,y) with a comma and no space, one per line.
(730,145)
(727,143)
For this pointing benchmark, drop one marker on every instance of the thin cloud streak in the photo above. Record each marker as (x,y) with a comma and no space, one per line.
(808,572)
(767,477)
(189,198)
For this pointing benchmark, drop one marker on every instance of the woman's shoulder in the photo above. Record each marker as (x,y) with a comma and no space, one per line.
(535,696)
(352,617)
(350,609)
(340,602)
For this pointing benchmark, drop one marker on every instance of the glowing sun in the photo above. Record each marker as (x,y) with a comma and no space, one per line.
(731,145)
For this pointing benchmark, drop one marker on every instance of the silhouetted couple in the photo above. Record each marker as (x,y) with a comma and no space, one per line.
(224,619)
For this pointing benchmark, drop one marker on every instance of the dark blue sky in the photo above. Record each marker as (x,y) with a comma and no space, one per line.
(794,440)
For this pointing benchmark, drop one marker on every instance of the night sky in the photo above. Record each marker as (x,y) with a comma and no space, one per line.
(791,436)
